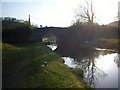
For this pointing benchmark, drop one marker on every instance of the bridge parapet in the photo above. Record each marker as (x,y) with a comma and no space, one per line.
(38,33)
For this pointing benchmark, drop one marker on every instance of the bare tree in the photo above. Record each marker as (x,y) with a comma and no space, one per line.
(86,12)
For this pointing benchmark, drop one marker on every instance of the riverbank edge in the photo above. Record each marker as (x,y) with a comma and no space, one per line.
(55,75)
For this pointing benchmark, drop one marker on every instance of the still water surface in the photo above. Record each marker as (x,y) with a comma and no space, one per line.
(100,67)
(101,73)
(53,47)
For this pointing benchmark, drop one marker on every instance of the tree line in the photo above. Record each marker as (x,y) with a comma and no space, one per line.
(91,32)
(14,30)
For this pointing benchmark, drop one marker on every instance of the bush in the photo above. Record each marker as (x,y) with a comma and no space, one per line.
(15,31)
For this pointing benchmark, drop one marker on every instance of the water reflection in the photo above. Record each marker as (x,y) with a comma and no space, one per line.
(52,46)
(117,60)
(70,62)
(98,66)
(50,40)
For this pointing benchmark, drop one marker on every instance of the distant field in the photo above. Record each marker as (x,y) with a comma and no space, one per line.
(22,68)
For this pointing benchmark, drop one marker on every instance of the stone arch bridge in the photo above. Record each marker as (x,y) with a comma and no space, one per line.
(39,33)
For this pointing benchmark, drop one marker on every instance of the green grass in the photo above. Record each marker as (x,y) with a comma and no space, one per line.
(108,43)
(110,40)
(22,68)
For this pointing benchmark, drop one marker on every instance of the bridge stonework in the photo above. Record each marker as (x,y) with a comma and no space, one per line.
(38,34)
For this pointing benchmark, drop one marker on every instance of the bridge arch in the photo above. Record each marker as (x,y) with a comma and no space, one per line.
(49,37)
(38,34)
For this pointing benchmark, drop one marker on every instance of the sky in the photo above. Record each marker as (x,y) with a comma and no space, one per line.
(58,13)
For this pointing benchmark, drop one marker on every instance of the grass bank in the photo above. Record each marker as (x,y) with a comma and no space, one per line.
(22,68)
(107,43)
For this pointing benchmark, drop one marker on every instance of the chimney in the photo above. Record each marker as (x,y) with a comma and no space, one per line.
(29,19)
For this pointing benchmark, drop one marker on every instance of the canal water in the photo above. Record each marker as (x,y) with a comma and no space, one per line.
(101,67)
(53,46)
(100,72)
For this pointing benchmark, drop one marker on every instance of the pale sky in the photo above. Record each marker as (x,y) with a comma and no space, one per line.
(58,13)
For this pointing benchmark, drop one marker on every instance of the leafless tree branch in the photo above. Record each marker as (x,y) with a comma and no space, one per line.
(87,12)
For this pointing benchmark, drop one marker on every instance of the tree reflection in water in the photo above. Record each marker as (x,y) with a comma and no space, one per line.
(87,61)
(86,58)
(117,60)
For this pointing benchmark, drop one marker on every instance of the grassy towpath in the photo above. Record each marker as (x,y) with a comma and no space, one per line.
(22,68)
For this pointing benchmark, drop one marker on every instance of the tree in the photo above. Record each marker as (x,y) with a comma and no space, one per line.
(86,13)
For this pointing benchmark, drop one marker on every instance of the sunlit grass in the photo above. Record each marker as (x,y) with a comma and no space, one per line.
(110,40)
(107,43)
(22,68)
